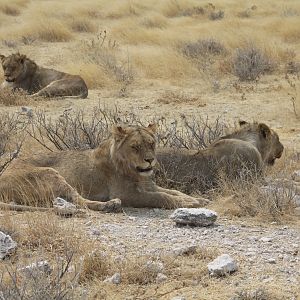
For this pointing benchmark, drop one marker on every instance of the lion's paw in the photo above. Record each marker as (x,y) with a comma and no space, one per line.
(191,202)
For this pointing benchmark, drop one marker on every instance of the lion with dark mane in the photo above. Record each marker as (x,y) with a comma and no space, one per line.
(245,152)
(20,72)
(121,167)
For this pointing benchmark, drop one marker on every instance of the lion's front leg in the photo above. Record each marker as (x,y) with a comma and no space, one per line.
(159,199)
(203,201)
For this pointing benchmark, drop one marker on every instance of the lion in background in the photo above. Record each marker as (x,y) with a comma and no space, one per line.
(241,154)
(21,72)
(120,167)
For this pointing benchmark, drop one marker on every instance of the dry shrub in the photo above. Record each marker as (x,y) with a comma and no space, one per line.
(155,21)
(97,265)
(248,197)
(254,294)
(38,284)
(47,31)
(46,231)
(10,10)
(12,134)
(82,25)
(203,48)
(216,15)
(102,52)
(14,98)
(250,62)
(168,97)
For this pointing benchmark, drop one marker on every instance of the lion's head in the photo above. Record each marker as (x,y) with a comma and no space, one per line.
(263,137)
(133,149)
(14,66)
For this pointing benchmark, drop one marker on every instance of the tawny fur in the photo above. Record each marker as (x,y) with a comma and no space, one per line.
(120,167)
(244,152)
(21,72)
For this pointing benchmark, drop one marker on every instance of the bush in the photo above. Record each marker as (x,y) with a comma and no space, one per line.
(12,129)
(202,48)
(218,15)
(250,63)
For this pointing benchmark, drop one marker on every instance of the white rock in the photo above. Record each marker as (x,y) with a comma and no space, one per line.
(115,279)
(27,110)
(185,250)
(296,175)
(194,216)
(266,239)
(7,245)
(222,265)
(161,278)
(40,266)
(178,298)
(63,207)
(154,266)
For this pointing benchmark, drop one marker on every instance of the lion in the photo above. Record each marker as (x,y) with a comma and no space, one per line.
(22,73)
(245,152)
(120,167)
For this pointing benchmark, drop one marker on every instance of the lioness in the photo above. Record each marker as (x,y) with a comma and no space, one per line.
(119,168)
(21,72)
(241,153)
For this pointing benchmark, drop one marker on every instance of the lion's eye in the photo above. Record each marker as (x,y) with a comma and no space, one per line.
(136,147)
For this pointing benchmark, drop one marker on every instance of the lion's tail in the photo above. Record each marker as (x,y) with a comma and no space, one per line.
(17,207)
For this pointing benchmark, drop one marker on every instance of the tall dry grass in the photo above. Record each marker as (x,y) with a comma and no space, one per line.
(151,33)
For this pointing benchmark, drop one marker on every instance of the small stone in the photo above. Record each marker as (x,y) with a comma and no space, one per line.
(222,265)
(7,245)
(161,278)
(178,298)
(185,250)
(297,200)
(154,266)
(95,231)
(296,175)
(271,260)
(63,207)
(88,223)
(115,279)
(40,266)
(27,110)
(266,239)
(194,216)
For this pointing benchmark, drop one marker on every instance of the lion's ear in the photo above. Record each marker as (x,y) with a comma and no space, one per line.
(152,128)
(22,58)
(118,130)
(243,123)
(2,57)
(264,130)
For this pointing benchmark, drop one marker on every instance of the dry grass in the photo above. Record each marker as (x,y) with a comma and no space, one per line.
(9,98)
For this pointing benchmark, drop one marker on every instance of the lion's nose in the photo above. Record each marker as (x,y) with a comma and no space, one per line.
(149,160)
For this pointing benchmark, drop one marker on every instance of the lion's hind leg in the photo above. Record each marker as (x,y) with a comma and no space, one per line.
(68,87)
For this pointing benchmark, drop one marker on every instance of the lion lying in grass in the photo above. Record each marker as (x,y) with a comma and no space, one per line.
(21,72)
(241,154)
(121,167)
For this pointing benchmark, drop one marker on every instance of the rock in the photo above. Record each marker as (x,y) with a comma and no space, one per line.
(297,200)
(154,266)
(266,239)
(7,245)
(271,260)
(185,250)
(40,266)
(115,279)
(63,207)
(178,298)
(296,175)
(161,278)
(222,265)
(194,216)
(27,110)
